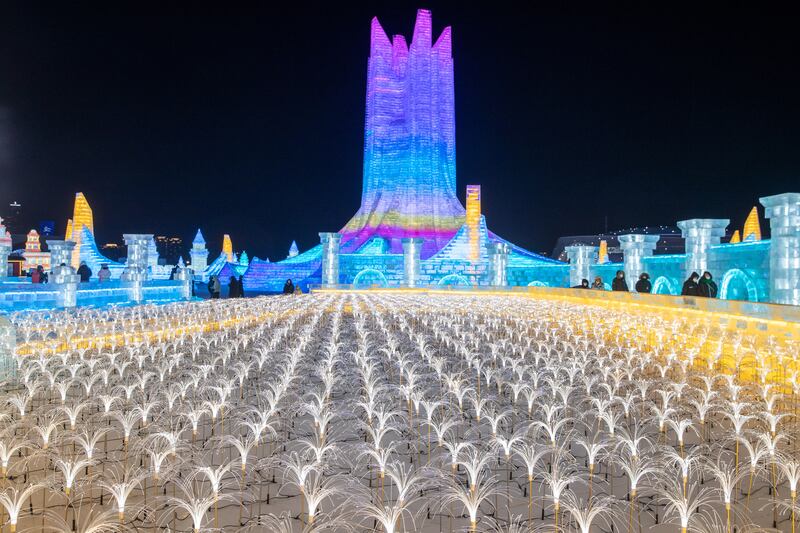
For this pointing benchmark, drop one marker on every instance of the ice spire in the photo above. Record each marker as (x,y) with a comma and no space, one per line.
(293,251)
(752,227)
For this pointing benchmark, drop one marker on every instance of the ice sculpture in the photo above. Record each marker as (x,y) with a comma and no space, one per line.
(136,268)
(330,258)
(409,181)
(411,257)
(783,212)
(700,234)
(227,248)
(82,216)
(91,254)
(62,275)
(581,259)
(293,250)
(34,256)
(199,253)
(752,228)
(602,253)
(5,249)
(635,248)
(498,261)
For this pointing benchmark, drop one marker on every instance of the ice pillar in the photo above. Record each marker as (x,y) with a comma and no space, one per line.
(62,275)
(412,247)
(581,259)
(635,247)
(135,273)
(5,251)
(330,258)
(185,276)
(783,212)
(700,234)
(498,261)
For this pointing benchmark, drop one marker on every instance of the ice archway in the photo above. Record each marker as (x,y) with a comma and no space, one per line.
(665,285)
(370,277)
(454,279)
(737,285)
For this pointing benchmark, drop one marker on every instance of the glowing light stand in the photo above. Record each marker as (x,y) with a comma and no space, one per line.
(62,275)
(330,258)
(581,259)
(135,273)
(700,234)
(498,261)
(636,247)
(412,247)
(783,212)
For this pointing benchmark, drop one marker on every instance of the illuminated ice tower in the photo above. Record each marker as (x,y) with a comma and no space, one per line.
(199,253)
(409,182)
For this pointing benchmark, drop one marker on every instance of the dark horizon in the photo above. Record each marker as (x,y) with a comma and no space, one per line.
(563,117)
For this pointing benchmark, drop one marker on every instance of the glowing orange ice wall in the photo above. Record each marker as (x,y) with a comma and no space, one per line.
(227,247)
(602,254)
(81,216)
(474,220)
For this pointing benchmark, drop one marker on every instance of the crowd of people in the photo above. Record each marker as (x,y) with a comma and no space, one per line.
(84,272)
(696,285)
(235,287)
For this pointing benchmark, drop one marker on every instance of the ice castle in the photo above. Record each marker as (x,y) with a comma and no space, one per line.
(411,229)
(410,222)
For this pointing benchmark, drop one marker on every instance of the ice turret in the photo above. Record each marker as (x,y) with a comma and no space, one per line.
(293,250)
(752,228)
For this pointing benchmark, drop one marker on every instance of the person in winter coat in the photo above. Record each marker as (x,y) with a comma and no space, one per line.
(241,287)
(233,288)
(288,287)
(644,285)
(213,287)
(619,284)
(36,274)
(584,284)
(598,284)
(690,286)
(104,274)
(707,287)
(84,272)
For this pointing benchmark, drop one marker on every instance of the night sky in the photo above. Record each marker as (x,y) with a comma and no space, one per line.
(250,121)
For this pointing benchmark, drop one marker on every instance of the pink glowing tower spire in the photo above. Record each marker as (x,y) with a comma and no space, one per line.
(409,187)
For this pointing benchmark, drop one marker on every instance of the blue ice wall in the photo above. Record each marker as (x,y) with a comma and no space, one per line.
(741,270)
